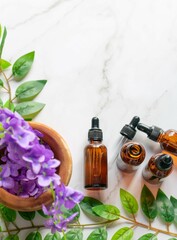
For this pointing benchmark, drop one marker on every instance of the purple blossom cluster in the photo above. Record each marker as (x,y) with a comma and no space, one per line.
(28,168)
(64,197)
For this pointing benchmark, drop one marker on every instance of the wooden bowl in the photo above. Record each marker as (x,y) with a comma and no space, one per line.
(62,153)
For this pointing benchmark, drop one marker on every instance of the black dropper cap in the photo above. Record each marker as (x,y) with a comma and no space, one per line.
(129,130)
(95,133)
(164,162)
(152,132)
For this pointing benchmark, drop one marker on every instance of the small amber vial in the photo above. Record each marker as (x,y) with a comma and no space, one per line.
(132,154)
(95,162)
(159,167)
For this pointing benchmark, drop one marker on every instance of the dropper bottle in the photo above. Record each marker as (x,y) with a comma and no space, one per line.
(131,154)
(95,162)
(158,167)
(128,131)
(167,139)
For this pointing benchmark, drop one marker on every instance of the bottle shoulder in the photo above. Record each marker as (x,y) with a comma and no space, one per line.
(95,145)
(169,133)
(168,141)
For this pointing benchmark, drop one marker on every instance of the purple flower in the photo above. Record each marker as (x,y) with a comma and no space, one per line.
(5,180)
(72,197)
(35,156)
(15,153)
(28,168)
(14,169)
(59,223)
(64,196)
(19,134)
(60,194)
(47,174)
(55,208)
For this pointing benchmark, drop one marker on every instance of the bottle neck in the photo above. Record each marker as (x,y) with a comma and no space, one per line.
(95,141)
(153,132)
(160,137)
(132,151)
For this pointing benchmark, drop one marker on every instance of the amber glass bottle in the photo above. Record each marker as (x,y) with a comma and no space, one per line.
(158,167)
(167,139)
(95,163)
(132,154)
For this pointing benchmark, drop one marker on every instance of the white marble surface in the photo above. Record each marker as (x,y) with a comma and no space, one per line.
(108,58)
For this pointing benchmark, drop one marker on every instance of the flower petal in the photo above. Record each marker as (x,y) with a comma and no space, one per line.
(44,181)
(8,183)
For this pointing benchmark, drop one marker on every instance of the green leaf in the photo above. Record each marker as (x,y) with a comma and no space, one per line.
(174,203)
(0,30)
(172,239)
(29,90)
(87,203)
(128,201)
(1,103)
(12,237)
(42,214)
(124,233)
(3,40)
(108,212)
(8,214)
(75,234)
(34,236)
(28,110)
(98,234)
(69,212)
(4,64)
(22,66)
(148,203)
(148,236)
(55,236)
(27,215)
(164,207)
(1,83)
(9,105)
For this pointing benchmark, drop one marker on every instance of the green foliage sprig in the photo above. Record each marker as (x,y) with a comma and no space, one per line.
(25,92)
(152,207)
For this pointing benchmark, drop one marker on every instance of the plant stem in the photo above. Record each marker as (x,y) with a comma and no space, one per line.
(8,85)
(64,235)
(129,220)
(23,228)
(133,215)
(133,226)
(156,233)
(32,224)
(9,78)
(91,224)
(5,88)
(7,229)
(15,225)
(13,98)
(149,227)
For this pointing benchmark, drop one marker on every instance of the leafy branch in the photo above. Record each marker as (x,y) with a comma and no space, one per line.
(152,207)
(26,92)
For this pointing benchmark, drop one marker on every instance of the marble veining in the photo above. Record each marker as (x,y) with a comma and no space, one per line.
(108,58)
